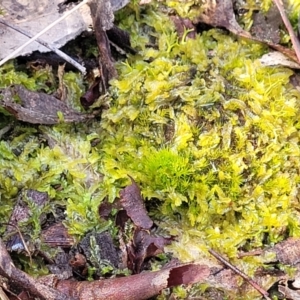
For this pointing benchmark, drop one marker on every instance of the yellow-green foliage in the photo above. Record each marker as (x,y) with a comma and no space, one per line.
(293,9)
(39,79)
(58,160)
(66,171)
(207,111)
(201,125)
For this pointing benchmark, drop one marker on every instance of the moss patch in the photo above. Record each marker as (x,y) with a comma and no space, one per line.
(210,135)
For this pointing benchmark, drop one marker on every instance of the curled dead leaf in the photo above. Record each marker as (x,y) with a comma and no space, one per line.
(132,201)
(57,236)
(91,95)
(145,245)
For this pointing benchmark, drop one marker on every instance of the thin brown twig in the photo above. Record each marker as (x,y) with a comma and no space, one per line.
(251,253)
(3,295)
(10,292)
(22,239)
(289,27)
(240,273)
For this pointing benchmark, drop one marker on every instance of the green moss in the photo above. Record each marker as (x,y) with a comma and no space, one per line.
(209,134)
(207,108)
(10,76)
(65,167)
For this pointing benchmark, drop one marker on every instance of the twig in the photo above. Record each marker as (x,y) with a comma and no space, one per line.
(49,46)
(240,273)
(289,27)
(14,53)
(3,295)
(5,129)
(21,279)
(251,253)
(5,288)
(22,239)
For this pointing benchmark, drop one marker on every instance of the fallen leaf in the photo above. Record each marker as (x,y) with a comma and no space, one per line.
(288,251)
(288,293)
(121,218)
(120,39)
(145,245)
(35,16)
(105,209)
(91,95)
(38,108)
(57,236)
(266,26)
(276,58)
(182,25)
(132,201)
(219,13)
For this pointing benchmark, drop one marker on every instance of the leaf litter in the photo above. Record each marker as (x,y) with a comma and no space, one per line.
(140,286)
(38,108)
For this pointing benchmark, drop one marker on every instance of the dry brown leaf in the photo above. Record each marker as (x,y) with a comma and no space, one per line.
(132,201)
(91,95)
(34,16)
(38,108)
(57,236)
(183,24)
(219,13)
(288,251)
(288,293)
(276,58)
(145,245)
(266,26)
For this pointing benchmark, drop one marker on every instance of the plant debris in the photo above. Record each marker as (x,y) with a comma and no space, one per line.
(38,108)
(132,201)
(20,278)
(103,17)
(97,250)
(135,287)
